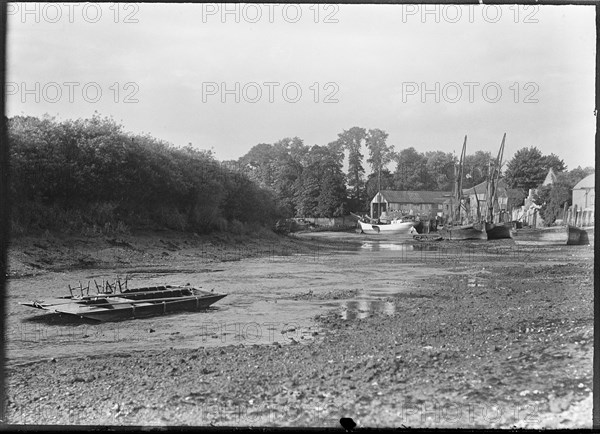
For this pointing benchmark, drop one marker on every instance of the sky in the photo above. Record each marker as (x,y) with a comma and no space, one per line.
(228,77)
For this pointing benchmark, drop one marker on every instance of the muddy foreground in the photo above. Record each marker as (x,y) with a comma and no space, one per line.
(315,328)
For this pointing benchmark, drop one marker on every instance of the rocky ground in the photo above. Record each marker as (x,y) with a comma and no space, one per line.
(477,340)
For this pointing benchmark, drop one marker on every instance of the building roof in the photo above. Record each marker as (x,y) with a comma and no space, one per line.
(587,182)
(482,189)
(395,196)
(550,178)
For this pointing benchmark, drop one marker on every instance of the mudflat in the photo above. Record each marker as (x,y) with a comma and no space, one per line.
(315,327)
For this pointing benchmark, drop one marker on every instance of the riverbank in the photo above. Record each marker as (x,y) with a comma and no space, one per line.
(387,333)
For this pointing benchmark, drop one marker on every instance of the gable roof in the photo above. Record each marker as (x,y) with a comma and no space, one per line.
(550,178)
(396,196)
(587,182)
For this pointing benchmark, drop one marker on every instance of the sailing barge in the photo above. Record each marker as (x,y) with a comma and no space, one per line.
(456,230)
(110,305)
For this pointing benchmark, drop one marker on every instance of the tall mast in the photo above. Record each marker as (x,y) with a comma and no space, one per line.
(379,194)
(499,166)
(494,176)
(459,180)
(488,193)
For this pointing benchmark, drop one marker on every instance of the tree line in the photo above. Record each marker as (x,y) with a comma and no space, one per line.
(91,172)
(310,181)
(84,173)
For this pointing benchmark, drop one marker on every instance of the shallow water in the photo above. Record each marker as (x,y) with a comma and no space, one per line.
(270,299)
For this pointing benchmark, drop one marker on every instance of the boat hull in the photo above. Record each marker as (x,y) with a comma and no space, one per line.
(463,233)
(568,235)
(496,231)
(138,303)
(427,237)
(153,309)
(391,228)
(579,236)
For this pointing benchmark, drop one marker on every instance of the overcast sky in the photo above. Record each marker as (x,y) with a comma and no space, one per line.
(182,66)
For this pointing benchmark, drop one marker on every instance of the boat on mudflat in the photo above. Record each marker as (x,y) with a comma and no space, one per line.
(431,236)
(464,232)
(129,303)
(391,228)
(498,231)
(566,235)
(495,230)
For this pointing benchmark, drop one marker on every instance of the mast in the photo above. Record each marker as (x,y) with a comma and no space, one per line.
(493,179)
(459,181)
(499,167)
(489,214)
(379,194)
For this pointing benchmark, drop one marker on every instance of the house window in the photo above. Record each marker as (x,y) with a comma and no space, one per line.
(440,206)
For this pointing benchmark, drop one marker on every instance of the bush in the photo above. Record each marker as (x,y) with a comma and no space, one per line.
(89,175)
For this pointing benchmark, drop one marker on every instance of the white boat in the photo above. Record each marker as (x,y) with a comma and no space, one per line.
(393,227)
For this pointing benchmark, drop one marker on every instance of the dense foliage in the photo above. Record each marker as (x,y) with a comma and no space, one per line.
(306,181)
(89,173)
(352,140)
(529,167)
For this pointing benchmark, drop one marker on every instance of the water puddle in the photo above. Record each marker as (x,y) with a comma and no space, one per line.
(358,309)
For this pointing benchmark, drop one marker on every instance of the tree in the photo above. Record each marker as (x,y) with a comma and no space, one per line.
(352,140)
(323,191)
(573,176)
(380,155)
(411,171)
(552,199)
(554,162)
(528,168)
(476,168)
(84,173)
(260,162)
(288,174)
(440,168)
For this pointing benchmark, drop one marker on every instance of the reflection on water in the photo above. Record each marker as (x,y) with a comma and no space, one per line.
(357,309)
(376,246)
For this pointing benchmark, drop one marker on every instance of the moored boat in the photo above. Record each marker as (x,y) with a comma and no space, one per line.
(452,231)
(579,236)
(393,227)
(130,303)
(432,236)
(569,235)
(464,232)
(497,231)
